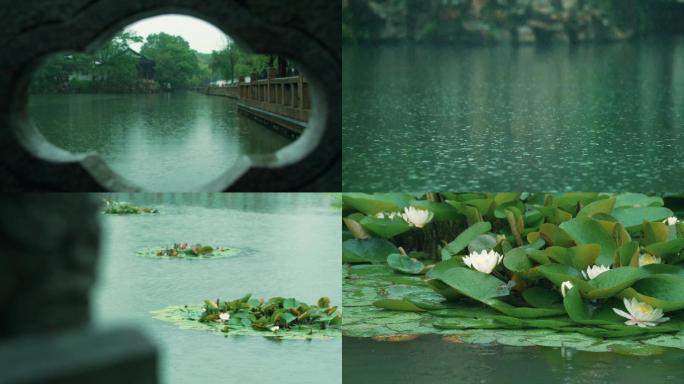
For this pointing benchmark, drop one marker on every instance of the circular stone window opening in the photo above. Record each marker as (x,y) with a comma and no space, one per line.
(171,102)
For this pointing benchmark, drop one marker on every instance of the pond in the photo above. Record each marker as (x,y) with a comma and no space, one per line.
(587,117)
(163,142)
(431,359)
(289,247)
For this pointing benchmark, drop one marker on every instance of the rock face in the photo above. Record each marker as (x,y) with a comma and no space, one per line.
(491,21)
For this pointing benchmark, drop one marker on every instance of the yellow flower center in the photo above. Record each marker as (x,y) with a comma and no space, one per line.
(648,259)
(644,308)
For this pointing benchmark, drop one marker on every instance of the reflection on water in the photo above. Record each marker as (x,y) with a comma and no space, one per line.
(429,359)
(173,141)
(587,117)
(293,250)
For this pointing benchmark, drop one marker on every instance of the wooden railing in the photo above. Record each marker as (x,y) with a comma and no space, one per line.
(286,96)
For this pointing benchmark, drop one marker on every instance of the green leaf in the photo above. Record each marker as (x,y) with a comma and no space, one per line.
(289,303)
(664,291)
(516,260)
(632,217)
(442,211)
(654,232)
(637,200)
(578,257)
(370,204)
(474,284)
(541,297)
(397,305)
(523,312)
(465,237)
(288,317)
(367,251)
(553,235)
(385,227)
(598,206)
(611,282)
(482,243)
(405,264)
(577,309)
(559,273)
(628,253)
(588,231)
(668,250)
(356,230)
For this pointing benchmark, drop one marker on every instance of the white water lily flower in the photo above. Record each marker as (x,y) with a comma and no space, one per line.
(416,216)
(647,258)
(484,261)
(672,220)
(223,317)
(565,287)
(641,314)
(593,271)
(274,328)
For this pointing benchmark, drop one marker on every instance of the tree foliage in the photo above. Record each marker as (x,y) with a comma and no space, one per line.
(116,68)
(176,62)
(231,62)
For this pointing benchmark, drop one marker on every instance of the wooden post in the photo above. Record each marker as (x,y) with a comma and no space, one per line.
(300,91)
(253,80)
(270,74)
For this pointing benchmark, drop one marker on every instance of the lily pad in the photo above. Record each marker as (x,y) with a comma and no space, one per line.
(589,231)
(185,317)
(386,227)
(405,264)
(200,253)
(372,250)
(465,237)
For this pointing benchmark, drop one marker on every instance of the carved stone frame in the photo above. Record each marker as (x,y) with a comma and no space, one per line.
(306,32)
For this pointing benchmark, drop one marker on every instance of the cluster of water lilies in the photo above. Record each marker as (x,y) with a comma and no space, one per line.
(123,208)
(276,314)
(587,259)
(184,248)
(412,216)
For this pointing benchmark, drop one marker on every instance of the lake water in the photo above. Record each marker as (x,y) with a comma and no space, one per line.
(291,249)
(163,142)
(603,117)
(430,360)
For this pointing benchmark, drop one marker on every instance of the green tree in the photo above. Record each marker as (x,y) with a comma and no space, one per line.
(114,65)
(176,62)
(231,62)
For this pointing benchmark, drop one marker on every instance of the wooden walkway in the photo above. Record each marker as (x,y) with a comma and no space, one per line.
(282,103)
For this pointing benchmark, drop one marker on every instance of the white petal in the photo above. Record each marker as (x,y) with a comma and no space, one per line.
(622,313)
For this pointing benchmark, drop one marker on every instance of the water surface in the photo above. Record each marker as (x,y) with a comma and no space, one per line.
(431,360)
(163,142)
(291,244)
(606,117)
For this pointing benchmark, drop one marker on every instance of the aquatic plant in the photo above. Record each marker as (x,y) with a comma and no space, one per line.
(123,208)
(185,250)
(276,317)
(562,262)
(274,314)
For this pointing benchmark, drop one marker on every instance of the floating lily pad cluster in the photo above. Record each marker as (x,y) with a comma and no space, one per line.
(597,265)
(277,316)
(185,250)
(123,208)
